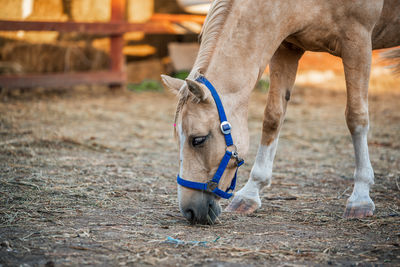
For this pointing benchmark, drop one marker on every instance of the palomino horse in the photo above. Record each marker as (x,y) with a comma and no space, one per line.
(238,40)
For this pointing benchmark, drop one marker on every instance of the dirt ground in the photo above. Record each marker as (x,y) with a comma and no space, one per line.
(88,178)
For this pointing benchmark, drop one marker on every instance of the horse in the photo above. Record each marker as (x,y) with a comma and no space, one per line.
(238,40)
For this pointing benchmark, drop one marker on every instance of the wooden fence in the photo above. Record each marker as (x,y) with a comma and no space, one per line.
(115,76)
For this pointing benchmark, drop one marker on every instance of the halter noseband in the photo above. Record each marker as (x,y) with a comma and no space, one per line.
(212,185)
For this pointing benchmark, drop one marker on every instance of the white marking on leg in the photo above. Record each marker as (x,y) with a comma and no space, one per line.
(261,173)
(363,174)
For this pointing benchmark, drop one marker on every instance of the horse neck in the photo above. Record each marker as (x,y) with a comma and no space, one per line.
(243,49)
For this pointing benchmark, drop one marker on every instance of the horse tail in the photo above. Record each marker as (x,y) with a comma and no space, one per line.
(393,57)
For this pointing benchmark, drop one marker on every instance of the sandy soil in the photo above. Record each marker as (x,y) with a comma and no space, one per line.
(88,178)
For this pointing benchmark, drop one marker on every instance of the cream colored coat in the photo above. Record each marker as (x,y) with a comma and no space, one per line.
(239,39)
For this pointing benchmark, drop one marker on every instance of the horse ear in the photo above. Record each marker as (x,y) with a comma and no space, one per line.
(197,89)
(173,84)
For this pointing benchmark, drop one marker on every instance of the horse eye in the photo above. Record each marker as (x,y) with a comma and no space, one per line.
(196,141)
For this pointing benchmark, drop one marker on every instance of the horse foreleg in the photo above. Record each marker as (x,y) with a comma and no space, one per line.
(283,68)
(356,55)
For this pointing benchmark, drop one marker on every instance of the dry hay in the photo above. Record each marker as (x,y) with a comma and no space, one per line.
(57,57)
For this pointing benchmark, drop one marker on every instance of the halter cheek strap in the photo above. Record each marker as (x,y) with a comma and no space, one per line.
(212,185)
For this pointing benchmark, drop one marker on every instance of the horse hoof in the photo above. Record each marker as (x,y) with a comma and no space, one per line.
(242,205)
(362,211)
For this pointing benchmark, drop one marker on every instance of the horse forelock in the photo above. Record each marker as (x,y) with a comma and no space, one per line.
(183,97)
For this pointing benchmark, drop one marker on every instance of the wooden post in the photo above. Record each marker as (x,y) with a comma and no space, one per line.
(117,40)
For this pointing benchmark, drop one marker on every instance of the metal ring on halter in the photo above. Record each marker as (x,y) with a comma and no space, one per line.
(211,185)
(233,151)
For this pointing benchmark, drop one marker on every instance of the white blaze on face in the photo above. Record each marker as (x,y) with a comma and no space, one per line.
(182,139)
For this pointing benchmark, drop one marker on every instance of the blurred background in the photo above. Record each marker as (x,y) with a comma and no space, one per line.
(119,42)
(157,36)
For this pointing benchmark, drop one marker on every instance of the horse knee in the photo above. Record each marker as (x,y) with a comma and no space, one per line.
(272,121)
(357,119)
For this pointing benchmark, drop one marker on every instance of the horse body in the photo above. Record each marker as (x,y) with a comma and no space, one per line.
(386,31)
(239,39)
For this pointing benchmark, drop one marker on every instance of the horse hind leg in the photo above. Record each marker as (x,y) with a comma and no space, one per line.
(356,55)
(283,68)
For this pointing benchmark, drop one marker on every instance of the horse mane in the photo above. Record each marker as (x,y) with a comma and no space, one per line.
(208,37)
(209,34)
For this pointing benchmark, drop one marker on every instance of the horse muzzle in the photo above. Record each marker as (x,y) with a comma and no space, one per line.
(202,208)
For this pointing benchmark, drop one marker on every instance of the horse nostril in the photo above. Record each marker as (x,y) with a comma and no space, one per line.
(189,215)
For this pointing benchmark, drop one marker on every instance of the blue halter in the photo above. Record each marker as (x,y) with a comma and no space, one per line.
(212,185)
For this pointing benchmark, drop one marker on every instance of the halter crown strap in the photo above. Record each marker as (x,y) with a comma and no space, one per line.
(225,125)
(212,185)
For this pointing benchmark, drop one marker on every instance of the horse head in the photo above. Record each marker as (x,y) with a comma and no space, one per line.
(205,152)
